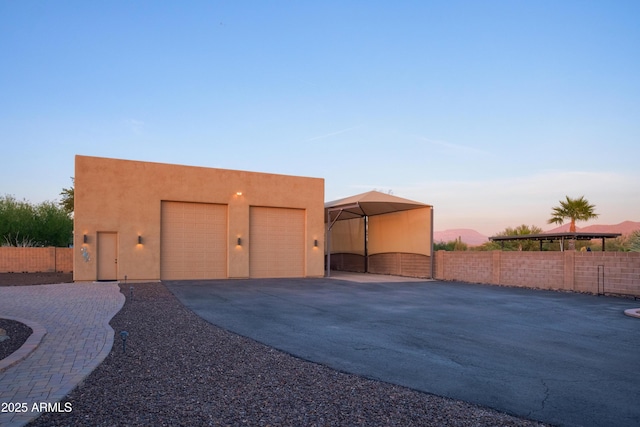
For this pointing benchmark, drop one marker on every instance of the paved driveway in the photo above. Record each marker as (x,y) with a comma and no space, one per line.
(561,358)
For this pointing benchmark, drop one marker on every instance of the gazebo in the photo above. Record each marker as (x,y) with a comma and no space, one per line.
(390,234)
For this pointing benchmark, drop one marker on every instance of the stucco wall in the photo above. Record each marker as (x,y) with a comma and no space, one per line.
(591,272)
(125,197)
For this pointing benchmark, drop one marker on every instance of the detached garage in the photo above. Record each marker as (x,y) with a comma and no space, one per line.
(152,221)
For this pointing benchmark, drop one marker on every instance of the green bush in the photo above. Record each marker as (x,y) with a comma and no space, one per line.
(25,224)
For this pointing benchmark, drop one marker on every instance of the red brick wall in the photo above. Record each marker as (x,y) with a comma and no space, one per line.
(32,260)
(592,272)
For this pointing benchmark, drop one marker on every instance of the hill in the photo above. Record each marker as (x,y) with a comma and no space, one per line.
(467,235)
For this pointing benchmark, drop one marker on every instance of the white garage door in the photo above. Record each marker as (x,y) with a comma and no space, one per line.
(194,241)
(277,242)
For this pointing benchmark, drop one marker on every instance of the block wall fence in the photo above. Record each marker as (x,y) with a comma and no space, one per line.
(616,273)
(36,260)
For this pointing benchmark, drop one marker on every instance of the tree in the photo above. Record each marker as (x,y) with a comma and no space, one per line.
(519,245)
(24,224)
(451,245)
(634,241)
(67,194)
(574,210)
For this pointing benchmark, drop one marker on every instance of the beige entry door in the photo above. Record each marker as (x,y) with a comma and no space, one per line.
(107,256)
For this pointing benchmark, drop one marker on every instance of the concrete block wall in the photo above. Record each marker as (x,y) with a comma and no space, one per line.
(347,262)
(400,264)
(616,273)
(394,263)
(608,272)
(36,260)
(535,270)
(474,267)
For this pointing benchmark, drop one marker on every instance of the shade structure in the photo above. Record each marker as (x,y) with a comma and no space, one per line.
(365,205)
(368,204)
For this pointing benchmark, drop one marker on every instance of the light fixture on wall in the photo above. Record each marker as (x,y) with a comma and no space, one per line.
(239,241)
(85,239)
(315,243)
(239,193)
(139,239)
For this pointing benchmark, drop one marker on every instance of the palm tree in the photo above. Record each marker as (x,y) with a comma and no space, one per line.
(573,209)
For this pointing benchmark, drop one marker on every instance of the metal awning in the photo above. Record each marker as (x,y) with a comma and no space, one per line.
(557,237)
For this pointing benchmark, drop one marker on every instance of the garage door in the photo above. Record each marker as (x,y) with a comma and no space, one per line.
(277,242)
(194,241)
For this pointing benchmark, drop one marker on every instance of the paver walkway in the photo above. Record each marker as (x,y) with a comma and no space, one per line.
(77,337)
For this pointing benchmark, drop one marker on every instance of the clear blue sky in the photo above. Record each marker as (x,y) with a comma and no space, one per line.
(492,111)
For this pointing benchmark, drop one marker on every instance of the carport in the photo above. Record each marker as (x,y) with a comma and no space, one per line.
(379,233)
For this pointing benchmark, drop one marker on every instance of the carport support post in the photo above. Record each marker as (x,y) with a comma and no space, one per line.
(328,242)
(366,239)
(432,254)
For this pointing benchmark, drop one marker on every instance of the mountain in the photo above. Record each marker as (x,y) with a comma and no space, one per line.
(626,227)
(467,235)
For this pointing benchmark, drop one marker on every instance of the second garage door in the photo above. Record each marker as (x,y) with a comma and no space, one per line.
(277,242)
(193,241)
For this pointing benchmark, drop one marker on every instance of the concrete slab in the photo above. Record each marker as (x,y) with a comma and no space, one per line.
(561,358)
(73,337)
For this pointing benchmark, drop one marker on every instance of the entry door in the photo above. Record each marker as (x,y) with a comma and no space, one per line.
(107,256)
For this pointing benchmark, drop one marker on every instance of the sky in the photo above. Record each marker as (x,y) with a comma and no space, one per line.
(492,111)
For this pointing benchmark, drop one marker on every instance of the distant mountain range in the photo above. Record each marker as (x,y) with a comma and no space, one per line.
(474,238)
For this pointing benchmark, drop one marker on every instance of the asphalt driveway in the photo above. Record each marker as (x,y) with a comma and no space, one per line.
(560,358)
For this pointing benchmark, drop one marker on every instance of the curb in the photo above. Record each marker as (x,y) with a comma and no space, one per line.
(29,345)
(633,312)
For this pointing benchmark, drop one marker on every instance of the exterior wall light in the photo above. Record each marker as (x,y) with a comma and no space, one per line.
(85,238)
(239,241)
(315,243)
(139,239)
(239,193)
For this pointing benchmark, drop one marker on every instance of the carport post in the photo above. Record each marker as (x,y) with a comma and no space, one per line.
(330,226)
(432,255)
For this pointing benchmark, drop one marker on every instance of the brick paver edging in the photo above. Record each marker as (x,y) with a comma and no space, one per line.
(29,345)
(77,339)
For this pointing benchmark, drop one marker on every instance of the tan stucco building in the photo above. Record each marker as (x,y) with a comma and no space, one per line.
(152,221)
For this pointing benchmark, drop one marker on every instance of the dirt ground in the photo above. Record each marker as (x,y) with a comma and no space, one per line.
(25,279)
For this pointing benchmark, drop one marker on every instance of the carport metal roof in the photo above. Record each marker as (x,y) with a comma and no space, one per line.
(554,237)
(365,205)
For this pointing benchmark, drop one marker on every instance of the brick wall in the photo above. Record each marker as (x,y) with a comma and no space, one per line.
(347,262)
(396,263)
(592,272)
(33,260)
(400,264)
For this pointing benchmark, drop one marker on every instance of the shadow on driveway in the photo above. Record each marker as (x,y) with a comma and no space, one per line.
(560,358)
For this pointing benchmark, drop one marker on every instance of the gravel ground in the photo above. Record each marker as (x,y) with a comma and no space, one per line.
(24,279)
(17,333)
(180,370)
